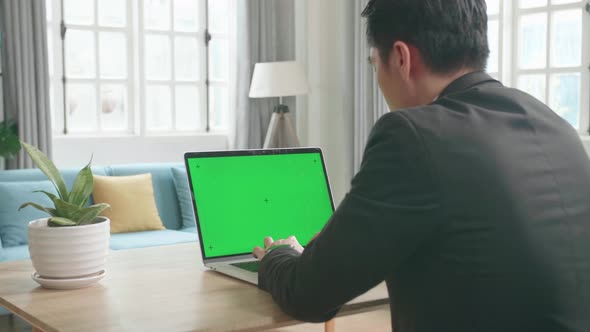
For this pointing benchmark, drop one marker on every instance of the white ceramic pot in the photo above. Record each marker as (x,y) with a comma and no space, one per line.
(69,252)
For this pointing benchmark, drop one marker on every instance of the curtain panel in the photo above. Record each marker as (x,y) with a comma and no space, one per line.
(26,76)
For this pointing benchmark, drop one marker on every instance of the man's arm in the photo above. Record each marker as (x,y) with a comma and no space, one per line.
(390,211)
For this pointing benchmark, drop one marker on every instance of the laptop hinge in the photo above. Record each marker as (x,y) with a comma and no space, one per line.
(238,258)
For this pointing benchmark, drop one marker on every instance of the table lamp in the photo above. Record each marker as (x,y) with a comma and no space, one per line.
(279,79)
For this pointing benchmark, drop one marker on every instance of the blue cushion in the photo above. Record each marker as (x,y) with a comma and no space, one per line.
(150,239)
(17,253)
(184,197)
(4,311)
(35,174)
(164,190)
(189,229)
(13,223)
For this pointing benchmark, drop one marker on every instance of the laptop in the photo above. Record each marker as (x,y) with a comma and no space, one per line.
(241,197)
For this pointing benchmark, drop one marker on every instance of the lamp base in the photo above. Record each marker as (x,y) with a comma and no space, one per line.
(281,132)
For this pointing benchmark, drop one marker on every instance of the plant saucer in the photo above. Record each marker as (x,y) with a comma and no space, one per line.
(68,283)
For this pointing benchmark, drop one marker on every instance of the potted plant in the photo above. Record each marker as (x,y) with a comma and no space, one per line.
(68,249)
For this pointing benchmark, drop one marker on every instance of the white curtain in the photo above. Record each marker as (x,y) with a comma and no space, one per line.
(369,104)
(265,33)
(26,75)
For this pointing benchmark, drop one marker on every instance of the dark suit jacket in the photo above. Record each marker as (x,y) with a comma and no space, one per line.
(475,211)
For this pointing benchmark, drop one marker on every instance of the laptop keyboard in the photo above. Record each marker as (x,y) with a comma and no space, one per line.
(248,266)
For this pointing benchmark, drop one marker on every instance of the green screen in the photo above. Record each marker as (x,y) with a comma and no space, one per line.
(242,199)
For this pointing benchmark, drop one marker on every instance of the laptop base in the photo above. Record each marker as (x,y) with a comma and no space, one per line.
(236,272)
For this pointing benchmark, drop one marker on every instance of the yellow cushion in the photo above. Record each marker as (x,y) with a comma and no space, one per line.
(133,206)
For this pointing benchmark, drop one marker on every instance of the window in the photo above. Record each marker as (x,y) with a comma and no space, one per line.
(494,38)
(139,67)
(543,47)
(219,62)
(174,64)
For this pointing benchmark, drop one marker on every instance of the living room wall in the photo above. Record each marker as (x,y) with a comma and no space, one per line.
(324,43)
(76,151)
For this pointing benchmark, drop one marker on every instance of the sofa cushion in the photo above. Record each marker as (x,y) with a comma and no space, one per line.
(4,312)
(150,239)
(69,175)
(189,229)
(13,223)
(184,197)
(16,253)
(133,207)
(164,190)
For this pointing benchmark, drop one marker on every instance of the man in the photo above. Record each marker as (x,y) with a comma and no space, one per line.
(472,201)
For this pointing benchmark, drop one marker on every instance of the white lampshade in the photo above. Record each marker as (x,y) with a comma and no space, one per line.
(278,79)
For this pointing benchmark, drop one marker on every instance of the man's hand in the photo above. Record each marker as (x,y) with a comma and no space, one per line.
(269,243)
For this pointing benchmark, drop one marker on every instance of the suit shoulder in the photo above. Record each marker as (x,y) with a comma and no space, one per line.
(394,119)
(400,130)
(409,118)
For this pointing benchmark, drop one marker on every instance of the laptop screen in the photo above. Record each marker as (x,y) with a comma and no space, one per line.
(242,197)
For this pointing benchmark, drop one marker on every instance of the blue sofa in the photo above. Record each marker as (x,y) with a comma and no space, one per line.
(170,190)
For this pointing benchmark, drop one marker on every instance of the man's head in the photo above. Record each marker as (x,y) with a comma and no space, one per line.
(419,46)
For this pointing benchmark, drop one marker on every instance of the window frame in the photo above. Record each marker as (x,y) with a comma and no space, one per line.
(499,17)
(136,85)
(509,19)
(223,82)
(172,82)
(98,81)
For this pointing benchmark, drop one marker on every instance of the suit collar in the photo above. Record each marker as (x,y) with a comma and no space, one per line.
(467,81)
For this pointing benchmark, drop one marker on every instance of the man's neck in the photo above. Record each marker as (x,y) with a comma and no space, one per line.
(433,85)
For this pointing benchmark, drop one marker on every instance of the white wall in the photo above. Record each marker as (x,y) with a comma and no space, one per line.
(325,43)
(76,151)
(586,142)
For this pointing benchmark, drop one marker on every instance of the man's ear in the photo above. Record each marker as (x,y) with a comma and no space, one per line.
(401,59)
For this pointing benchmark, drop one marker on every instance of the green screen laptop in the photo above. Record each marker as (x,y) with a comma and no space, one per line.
(240,197)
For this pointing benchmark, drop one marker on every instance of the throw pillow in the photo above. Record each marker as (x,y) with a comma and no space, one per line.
(133,206)
(13,223)
(184,197)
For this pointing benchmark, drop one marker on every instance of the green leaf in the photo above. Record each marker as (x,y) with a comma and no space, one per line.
(86,216)
(51,196)
(83,187)
(60,222)
(74,213)
(48,168)
(50,211)
(63,208)
(66,210)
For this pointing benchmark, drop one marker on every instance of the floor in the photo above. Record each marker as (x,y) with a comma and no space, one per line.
(376,321)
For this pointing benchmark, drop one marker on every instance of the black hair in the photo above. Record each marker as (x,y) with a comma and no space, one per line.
(450,34)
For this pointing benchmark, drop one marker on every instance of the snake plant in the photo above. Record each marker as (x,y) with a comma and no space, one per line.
(70,207)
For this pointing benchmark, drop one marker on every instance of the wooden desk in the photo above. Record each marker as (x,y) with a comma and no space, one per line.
(152,289)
